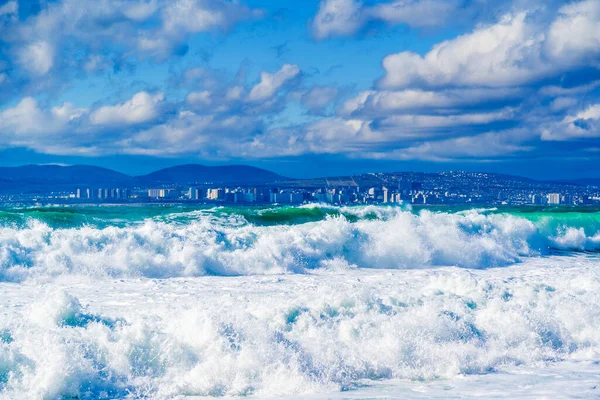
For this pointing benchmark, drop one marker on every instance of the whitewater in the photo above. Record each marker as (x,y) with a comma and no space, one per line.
(162,302)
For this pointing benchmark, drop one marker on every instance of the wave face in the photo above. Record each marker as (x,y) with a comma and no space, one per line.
(224,242)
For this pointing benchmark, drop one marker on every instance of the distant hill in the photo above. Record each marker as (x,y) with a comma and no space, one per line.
(196,173)
(59,173)
(587,182)
(44,178)
(47,178)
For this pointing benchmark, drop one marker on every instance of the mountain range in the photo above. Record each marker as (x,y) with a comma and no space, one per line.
(52,178)
(43,178)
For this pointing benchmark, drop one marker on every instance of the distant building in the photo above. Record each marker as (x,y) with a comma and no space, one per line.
(154,193)
(249,197)
(193,193)
(162,193)
(538,199)
(215,194)
(553,198)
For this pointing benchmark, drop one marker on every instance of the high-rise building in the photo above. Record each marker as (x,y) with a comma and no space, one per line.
(553,198)
(154,193)
(538,199)
(193,193)
(215,194)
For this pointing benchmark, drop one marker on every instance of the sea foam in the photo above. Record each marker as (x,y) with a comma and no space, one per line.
(295,334)
(217,245)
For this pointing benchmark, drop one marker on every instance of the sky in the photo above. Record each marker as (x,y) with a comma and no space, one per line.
(303,88)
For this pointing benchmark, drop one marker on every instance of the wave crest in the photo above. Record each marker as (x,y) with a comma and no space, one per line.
(211,244)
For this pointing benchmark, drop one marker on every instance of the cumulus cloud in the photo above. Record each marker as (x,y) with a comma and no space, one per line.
(514,51)
(378,103)
(210,136)
(575,34)
(229,96)
(337,18)
(56,37)
(474,97)
(270,83)
(583,125)
(503,54)
(37,57)
(347,17)
(486,146)
(428,123)
(142,107)
(319,98)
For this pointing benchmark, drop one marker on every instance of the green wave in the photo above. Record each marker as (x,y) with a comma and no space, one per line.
(550,218)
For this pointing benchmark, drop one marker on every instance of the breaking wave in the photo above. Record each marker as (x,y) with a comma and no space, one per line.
(296,335)
(227,242)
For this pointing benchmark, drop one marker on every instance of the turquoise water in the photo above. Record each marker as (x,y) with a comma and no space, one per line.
(121,215)
(162,302)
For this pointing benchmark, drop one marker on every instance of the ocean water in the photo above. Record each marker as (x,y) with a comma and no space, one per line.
(161,302)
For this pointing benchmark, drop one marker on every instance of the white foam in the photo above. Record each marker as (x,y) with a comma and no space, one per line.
(228,245)
(297,335)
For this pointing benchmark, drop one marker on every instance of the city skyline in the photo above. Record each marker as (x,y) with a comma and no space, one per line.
(304,89)
(244,185)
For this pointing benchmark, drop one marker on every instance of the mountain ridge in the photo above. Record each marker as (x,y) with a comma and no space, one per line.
(198,173)
(35,178)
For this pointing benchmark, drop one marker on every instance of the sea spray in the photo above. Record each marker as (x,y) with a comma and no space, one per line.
(294,334)
(224,242)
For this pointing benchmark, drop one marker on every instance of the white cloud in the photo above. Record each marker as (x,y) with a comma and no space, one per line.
(575,34)
(384,102)
(416,12)
(189,133)
(562,103)
(514,51)
(29,125)
(270,83)
(485,146)
(347,17)
(68,112)
(142,28)
(9,8)
(583,125)
(199,98)
(234,93)
(569,91)
(319,98)
(37,57)
(191,16)
(142,107)
(140,11)
(24,118)
(503,54)
(432,122)
(337,18)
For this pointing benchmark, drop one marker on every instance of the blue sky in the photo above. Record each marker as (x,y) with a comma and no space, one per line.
(304,88)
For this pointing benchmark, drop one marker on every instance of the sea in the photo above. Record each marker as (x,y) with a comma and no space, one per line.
(312,301)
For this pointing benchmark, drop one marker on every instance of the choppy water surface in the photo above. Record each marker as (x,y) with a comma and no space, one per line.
(160,302)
